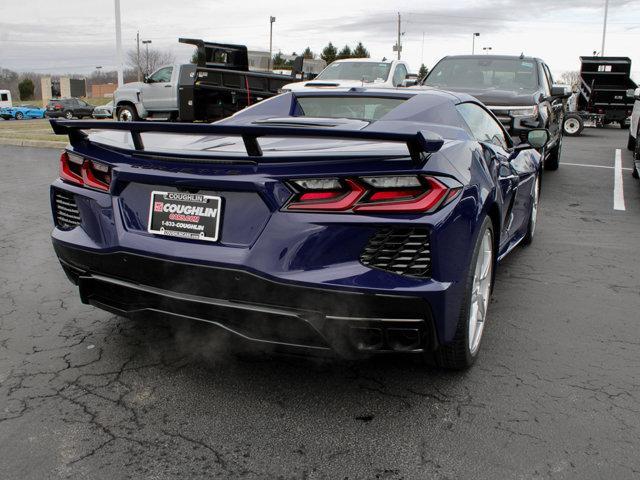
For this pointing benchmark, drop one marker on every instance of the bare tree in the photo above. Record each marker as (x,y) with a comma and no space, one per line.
(570,78)
(157,58)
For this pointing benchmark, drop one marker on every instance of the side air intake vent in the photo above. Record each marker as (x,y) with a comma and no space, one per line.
(405,251)
(66,210)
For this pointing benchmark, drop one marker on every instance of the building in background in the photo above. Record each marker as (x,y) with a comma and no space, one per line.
(103,90)
(63,87)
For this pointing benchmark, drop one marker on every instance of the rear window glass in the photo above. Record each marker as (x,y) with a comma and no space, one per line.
(360,108)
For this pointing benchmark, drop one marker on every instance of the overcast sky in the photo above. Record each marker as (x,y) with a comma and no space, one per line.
(78,35)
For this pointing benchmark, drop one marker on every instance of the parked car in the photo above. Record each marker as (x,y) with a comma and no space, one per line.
(354,221)
(359,72)
(633,143)
(22,112)
(104,111)
(219,85)
(519,90)
(68,108)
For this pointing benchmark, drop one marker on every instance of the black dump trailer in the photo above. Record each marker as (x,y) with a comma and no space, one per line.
(605,94)
(220,83)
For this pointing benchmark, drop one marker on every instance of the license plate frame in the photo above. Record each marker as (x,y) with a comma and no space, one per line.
(198,219)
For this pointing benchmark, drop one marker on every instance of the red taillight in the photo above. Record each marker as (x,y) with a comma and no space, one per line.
(397,194)
(80,171)
(57,106)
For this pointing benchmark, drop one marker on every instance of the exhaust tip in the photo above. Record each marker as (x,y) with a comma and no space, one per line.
(403,339)
(366,338)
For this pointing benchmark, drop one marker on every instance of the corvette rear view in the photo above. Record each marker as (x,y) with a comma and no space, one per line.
(352,221)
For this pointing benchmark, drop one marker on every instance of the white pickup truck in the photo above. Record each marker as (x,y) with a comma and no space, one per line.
(359,72)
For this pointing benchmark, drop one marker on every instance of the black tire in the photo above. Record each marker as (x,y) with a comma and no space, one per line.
(68,115)
(19,116)
(631,143)
(457,355)
(569,126)
(531,227)
(127,113)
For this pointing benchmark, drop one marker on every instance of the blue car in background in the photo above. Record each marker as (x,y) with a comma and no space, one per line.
(22,112)
(352,221)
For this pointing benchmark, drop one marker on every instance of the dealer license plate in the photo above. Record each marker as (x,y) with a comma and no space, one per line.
(185,215)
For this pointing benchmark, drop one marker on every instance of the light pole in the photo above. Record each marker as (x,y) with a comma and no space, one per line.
(271,22)
(486,50)
(147,42)
(473,43)
(604,28)
(119,44)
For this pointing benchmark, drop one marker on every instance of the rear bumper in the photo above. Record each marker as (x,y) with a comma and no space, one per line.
(54,114)
(250,306)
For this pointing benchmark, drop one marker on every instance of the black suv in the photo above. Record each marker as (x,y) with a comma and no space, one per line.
(68,108)
(518,90)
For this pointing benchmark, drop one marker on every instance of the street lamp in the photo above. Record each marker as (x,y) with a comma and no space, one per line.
(473,43)
(486,49)
(271,21)
(147,42)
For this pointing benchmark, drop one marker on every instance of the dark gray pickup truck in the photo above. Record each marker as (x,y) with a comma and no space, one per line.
(518,90)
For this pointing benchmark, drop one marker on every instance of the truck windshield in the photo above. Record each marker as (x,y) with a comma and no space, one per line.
(478,73)
(360,108)
(367,71)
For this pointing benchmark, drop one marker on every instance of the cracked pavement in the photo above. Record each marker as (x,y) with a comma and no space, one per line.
(555,393)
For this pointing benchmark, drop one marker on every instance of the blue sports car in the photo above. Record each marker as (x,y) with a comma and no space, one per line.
(22,112)
(357,220)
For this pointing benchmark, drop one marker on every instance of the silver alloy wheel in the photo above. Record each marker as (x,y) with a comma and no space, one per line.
(571,125)
(481,289)
(534,206)
(125,115)
(68,115)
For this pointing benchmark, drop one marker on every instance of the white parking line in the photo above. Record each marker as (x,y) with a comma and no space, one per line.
(618,189)
(592,166)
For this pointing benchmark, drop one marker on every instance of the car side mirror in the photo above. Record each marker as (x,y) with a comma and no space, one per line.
(536,138)
(560,91)
(145,78)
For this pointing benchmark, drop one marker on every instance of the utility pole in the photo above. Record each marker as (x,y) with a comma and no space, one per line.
(399,34)
(271,21)
(604,28)
(138,56)
(119,44)
(473,43)
(422,54)
(147,42)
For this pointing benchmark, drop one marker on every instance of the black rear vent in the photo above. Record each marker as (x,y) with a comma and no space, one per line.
(405,251)
(67,214)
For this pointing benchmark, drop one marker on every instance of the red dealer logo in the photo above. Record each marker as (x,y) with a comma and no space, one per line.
(158,206)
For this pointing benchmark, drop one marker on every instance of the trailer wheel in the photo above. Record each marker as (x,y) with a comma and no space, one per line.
(572,125)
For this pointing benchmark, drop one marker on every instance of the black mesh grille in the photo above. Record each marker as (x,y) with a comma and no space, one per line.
(405,251)
(67,214)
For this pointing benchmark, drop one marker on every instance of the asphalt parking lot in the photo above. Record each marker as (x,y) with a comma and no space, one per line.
(555,393)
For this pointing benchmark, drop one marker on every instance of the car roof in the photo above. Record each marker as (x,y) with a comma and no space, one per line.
(492,57)
(402,92)
(370,60)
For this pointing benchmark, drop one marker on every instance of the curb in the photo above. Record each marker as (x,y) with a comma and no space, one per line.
(16,142)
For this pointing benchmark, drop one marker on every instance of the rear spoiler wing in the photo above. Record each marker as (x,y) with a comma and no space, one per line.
(420,143)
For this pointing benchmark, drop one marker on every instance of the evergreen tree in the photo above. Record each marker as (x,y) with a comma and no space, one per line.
(423,71)
(329,53)
(345,53)
(26,89)
(360,51)
(308,53)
